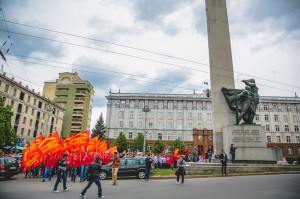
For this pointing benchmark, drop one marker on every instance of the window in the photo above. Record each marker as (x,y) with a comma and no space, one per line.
(22,131)
(288,139)
(130,124)
(160,126)
(170,115)
(170,125)
(274,107)
(285,118)
(30,122)
(26,109)
(34,102)
(28,133)
(189,105)
(32,112)
(159,136)
(150,115)
(180,115)
(121,124)
(283,108)
(286,128)
(42,125)
(266,117)
(209,117)
(150,125)
(151,104)
(12,103)
(278,138)
(199,106)
(131,104)
(141,114)
(295,118)
(277,128)
(290,150)
(199,116)
(121,114)
(267,127)
(298,139)
(256,117)
(141,104)
(180,105)
(122,105)
(140,125)
(170,105)
(199,126)
(265,107)
(160,105)
(276,118)
(190,115)
(15,92)
(131,114)
(190,126)
(130,135)
(296,128)
(160,115)
(208,106)
(209,126)
(6,88)
(180,126)
(268,138)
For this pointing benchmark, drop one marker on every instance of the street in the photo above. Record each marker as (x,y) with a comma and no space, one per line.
(283,186)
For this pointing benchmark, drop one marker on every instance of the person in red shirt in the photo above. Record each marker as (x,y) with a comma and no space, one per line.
(69,165)
(75,165)
(186,153)
(84,163)
(48,162)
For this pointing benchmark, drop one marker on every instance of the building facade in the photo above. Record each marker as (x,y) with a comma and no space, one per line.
(76,96)
(188,117)
(33,114)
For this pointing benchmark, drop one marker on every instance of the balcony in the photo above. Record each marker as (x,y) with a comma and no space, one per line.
(79,99)
(77,113)
(78,106)
(80,93)
(76,121)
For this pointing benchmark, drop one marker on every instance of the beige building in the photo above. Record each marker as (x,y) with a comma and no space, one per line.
(76,96)
(33,113)
(173,116)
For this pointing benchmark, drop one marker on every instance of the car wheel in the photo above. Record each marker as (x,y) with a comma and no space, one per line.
(141,174)
(103,175)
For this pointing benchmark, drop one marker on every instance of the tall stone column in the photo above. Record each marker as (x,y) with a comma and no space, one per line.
(221,67)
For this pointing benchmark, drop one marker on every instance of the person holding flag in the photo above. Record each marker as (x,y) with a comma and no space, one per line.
(48,167)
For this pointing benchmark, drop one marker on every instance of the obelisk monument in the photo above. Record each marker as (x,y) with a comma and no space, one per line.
(221,67)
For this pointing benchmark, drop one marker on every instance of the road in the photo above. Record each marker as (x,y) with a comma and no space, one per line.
(282,186)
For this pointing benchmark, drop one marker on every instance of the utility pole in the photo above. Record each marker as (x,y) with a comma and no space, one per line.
(146,110)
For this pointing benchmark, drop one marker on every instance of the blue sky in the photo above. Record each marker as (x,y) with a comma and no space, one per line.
(118,38)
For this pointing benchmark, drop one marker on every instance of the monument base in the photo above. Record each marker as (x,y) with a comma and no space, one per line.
(251,144)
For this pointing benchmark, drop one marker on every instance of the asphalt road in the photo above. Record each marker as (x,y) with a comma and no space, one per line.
(282,186)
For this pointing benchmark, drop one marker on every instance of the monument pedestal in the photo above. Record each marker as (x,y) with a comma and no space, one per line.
(251,143)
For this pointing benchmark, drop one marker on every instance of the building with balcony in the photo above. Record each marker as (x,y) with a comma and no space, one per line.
(76,96)
(188,117)
(33,114)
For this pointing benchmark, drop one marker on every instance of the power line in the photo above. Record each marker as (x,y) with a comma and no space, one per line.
(139,49)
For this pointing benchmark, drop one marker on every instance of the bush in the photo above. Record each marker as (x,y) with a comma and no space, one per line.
(291,159)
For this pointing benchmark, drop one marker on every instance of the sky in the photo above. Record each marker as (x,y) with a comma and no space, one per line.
(143,46)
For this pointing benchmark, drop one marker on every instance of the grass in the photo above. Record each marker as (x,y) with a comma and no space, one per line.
(164,172)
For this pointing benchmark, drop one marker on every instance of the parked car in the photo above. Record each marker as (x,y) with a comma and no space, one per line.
(8,167)
(129,167)
(18,157)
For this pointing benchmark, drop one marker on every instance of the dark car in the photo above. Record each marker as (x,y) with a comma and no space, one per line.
(8,167)
(129,167)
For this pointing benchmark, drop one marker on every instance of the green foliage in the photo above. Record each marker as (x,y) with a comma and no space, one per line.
(177,144)
(291,159)
(138,143)
(99,129)
(121,142)
(158,147)
(8,136)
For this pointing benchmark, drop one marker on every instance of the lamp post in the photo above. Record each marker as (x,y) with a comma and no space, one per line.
(146,110)
(48,111)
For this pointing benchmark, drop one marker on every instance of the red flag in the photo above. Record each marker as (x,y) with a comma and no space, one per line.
(51,144)
(80,141)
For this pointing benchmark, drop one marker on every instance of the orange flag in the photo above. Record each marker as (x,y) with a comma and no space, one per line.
(24,159)
(80,141)
(33,153)
(102,148)
(176,151)
(112,149)
(93,144)
(66,143)
(51,144)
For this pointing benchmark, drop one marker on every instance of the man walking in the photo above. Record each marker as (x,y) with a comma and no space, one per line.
(224,160)
(61,173)
(93,171)
(149,162)
(48,167)
(116,161)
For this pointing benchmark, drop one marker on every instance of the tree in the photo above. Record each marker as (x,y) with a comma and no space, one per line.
(158,146)
(99,129)
(8,136)
(138,143)
(177,144)
(121,142)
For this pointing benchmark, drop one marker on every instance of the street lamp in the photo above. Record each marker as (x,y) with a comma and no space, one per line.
(146,110)
(49,109)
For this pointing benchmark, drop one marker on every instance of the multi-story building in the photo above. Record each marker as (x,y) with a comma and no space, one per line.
(76,96)
(189,116)
(33,114)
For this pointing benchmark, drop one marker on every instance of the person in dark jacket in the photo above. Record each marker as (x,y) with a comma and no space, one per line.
(224,160)
(148,162)
(61,174)
(93,171)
